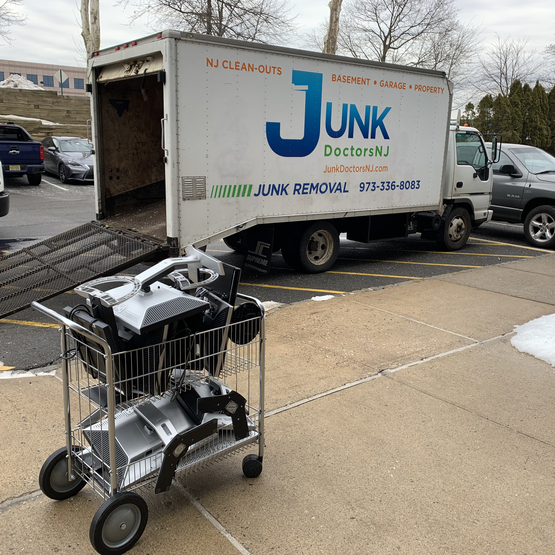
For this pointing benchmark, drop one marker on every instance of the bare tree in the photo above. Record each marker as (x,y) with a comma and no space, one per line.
(9,17)
(505,62)
(266,21)
(549,55)
(330,42)
(388,30)
(90,25)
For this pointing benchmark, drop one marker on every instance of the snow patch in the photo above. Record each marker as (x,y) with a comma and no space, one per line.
(24,119)
(322,298)
(19,82)
(270,306)
(537,338)
(39,372)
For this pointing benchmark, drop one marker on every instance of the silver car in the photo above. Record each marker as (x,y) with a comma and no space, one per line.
(70,158)
(524,191)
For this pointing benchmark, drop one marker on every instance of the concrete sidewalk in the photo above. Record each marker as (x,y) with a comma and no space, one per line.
(400,421)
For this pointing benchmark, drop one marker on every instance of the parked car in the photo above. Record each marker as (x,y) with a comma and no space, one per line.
(19,154)
(69,158)
(524,191)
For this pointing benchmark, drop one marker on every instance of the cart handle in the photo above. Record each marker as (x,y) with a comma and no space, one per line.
(74,326)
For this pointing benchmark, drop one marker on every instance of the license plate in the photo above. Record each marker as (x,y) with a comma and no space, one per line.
(15,168)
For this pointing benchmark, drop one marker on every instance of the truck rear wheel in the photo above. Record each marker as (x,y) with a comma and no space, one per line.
(313,249)
(34,178)
(455,231)
(235,244)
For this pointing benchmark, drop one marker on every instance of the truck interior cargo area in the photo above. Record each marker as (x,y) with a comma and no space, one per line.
(132,174)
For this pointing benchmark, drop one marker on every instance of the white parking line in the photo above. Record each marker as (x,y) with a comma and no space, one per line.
(54,184)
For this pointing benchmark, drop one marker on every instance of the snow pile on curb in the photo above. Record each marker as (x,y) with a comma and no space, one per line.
(537,338)
(19,82)
(24,119)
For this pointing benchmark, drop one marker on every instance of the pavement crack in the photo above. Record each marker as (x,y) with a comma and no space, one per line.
(400,381)
(12,502)
(416,321)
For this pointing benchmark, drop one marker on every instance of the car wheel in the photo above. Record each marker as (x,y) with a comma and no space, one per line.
(539,227)
(62,172)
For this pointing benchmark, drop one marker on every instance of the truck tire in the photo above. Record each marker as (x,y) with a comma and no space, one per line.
(34,178)
(235,244)
(455,231)
(313,249)
(539,227)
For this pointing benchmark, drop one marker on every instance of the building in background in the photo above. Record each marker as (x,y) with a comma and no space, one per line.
(45,75)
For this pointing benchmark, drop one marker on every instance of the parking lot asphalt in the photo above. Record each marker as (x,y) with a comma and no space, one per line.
(399,421)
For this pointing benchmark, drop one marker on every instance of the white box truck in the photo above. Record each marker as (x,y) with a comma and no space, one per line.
(273,148)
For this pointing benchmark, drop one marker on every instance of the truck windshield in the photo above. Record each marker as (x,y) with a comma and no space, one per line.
(75,145)
(471,151)
(535,160)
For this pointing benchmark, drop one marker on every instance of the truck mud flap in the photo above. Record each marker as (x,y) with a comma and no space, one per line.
(64,261)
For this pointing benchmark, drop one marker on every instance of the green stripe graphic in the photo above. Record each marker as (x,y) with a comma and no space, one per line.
(231,191)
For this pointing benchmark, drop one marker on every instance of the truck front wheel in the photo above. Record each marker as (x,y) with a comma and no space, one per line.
(455,231)
(313,249)
(539,227)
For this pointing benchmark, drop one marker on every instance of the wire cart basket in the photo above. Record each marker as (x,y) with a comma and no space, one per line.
(189,392)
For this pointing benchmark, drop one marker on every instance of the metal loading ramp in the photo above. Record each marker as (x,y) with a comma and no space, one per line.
(64,261)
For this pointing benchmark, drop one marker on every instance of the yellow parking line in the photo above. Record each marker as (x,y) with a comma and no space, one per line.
(510,245)
(413,263)
(2,368)
(372,275)
(27,323)
(293,288)
(474,254)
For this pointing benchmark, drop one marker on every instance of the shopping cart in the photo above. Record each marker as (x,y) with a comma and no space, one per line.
(162,373)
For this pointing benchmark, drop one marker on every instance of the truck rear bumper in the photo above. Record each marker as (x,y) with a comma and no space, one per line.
(4,204)
(17,170)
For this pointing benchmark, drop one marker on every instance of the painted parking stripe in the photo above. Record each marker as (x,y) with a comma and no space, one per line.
(293,288)
(372,275)
(510,245)
(29,323)
(54,184)
(409,262)
(464,253)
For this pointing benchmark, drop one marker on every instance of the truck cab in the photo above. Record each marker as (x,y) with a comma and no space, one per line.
(467,184)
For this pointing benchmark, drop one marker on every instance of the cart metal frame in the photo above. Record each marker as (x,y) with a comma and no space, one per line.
(96,401)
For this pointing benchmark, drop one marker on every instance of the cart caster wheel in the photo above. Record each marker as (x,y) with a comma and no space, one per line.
(119,523)
(53,478)
(252,466)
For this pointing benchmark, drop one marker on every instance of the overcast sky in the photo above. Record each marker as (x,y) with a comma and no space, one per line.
(52,31)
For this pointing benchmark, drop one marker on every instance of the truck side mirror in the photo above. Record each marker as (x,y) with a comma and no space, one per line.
(494,150)
(509,169)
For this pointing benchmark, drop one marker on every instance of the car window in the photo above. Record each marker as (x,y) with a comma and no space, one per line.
(503,161)
(470,151)
(534,159)
(75,145)
(12,134)
(47,142)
